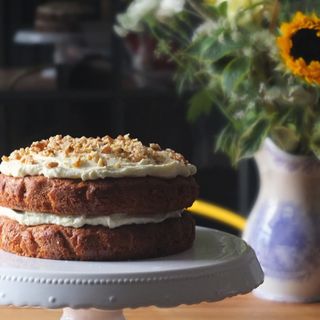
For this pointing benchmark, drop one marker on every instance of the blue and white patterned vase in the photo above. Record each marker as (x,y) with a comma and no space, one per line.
(284,225)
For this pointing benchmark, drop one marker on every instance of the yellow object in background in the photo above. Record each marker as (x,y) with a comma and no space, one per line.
(210,211)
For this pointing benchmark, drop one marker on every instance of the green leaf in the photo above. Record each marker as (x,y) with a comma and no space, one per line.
(234,73)
(221,49)
(315,140)
(184,77)
(227,141)
(204,43)
(252,138)
(163,48)
(216,11)
(285,138)
(223,8)
(214,47)
(200,103)
(211,10)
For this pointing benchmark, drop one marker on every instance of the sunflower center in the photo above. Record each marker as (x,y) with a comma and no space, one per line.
(306,45)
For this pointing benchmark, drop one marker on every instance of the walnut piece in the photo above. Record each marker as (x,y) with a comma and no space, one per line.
(51,165)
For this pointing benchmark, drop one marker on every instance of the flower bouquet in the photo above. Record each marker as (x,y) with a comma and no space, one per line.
(258,61)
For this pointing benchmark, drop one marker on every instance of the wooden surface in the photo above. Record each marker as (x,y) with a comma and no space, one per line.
(237,308)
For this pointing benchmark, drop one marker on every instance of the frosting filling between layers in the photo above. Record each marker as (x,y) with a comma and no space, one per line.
(112,221)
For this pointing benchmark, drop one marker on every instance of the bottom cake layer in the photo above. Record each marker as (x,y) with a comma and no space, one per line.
(128,242)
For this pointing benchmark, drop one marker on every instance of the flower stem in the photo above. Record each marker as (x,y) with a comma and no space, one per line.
(275,16)
(199,10)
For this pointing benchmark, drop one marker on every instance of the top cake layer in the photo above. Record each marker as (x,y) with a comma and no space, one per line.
(95,158)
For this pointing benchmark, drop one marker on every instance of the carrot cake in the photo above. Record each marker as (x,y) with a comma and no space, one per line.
(62,16)
(96,199)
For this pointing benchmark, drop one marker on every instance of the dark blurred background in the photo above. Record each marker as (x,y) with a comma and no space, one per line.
(87,81)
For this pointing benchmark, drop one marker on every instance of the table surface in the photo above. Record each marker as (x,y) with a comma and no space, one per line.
(236,308)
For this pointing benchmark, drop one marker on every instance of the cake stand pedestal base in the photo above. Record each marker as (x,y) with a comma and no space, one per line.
(91,314)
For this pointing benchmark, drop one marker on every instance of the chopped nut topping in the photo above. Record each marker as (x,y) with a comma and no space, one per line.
(101,163)
(78,163)
(155,147)
(28,160)
(93,149)
(39,145)
(52,165)
(68,150)
(16,155)
(117,165)
(106,149)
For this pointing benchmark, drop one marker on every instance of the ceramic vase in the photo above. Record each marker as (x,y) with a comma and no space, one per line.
(284,225)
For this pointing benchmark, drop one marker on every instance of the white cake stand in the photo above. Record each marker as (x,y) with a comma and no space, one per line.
(219,265)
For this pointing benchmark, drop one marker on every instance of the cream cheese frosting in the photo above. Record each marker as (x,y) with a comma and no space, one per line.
(112,221)
(95,158)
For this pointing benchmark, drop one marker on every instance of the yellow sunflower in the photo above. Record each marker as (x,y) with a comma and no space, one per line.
(299,45)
